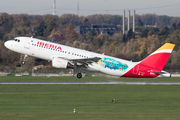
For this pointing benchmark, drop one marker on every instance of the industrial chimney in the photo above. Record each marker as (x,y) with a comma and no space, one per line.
(54,7)
(123,22)
(128,28)
(128,20)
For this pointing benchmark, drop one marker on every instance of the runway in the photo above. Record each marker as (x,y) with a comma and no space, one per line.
(93,83)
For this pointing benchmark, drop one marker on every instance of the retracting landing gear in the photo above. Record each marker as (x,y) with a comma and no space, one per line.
(25,57)
(79,72)
(79,75)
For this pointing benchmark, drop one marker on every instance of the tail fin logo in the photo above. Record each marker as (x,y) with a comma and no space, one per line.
(158,58)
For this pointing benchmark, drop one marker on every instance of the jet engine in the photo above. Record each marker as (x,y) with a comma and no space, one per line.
(61,63)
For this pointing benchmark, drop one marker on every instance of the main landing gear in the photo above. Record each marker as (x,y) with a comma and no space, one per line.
(25,57)
(79,75)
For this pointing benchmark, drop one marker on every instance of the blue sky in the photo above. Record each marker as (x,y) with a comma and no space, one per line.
(88,7)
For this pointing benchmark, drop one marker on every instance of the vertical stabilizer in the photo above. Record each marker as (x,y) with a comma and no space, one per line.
(158,58)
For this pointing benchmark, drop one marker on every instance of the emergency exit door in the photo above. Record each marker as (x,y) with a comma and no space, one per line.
(27,44)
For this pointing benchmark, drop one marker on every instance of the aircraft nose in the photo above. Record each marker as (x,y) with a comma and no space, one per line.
(7,44)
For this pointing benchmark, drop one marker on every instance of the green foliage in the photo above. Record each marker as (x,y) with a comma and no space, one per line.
(143,54)
(98,42)
(175,39)
(21,31)
(140,23)
(41,28)
(163,20)
(148,19)
(175,20)
(174,26)
(124,39)
(104,19)
(50,22)
(145,33)
(130,34)
(164,33)
(70,18)
(153,30)
(70,34)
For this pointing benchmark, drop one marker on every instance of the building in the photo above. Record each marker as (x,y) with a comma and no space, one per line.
(57,38)
(100,29)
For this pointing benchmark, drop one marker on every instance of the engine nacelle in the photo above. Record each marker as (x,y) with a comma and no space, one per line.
(59,63)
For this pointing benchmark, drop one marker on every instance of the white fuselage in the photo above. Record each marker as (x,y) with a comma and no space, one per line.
(47,50)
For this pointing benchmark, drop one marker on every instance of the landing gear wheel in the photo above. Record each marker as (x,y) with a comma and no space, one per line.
(79,75)
(23,62)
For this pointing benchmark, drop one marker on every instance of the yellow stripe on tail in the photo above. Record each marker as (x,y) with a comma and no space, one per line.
(166,46)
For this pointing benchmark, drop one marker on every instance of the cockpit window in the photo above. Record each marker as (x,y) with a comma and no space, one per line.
(17,40)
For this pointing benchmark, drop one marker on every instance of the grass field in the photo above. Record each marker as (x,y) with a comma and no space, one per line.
(92,102)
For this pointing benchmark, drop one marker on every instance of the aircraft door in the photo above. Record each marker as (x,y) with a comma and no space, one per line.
(135,69)
(27,44)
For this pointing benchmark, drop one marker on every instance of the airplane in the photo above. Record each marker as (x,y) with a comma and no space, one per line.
(68,57)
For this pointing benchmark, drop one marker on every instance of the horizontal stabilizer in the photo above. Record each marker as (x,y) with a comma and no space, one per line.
(161,73)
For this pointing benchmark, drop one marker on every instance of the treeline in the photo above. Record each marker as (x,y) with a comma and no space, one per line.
(131,46)
(42,25)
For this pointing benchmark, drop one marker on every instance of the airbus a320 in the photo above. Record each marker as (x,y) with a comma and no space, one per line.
(68,57)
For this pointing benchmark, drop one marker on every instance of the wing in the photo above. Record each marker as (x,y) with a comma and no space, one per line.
(83,61)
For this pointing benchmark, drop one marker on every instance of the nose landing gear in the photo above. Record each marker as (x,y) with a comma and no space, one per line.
(25,57)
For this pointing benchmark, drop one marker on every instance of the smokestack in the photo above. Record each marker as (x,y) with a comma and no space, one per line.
(54,7)
(134,13)
(123,21)
(78,8)
(128,20)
